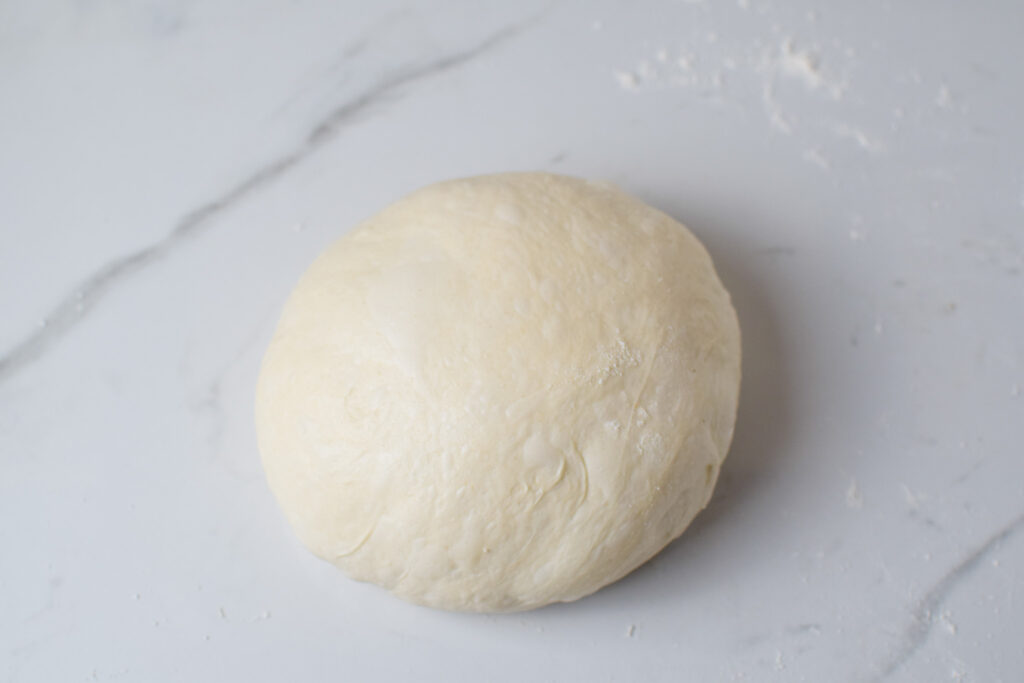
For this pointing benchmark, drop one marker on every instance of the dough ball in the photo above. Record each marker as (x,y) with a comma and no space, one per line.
(500,392)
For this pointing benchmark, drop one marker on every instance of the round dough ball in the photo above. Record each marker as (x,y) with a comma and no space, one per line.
(500,392)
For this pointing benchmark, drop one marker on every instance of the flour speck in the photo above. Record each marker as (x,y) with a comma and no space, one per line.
(862,139)
(946,619)
(854,499)
(814,157)
(626,80)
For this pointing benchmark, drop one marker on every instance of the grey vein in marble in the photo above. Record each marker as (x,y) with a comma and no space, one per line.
(71,310)
(923,615)
(210,400)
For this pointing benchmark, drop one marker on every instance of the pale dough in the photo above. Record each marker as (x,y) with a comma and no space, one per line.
(500,392)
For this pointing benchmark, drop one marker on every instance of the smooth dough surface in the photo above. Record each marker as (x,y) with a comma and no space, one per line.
(500,392)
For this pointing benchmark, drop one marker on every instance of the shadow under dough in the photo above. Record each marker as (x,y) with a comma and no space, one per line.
(764,423)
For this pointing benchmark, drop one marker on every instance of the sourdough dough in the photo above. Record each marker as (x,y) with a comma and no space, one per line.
(500,392)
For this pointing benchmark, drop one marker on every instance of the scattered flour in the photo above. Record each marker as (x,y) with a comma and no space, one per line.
(662,71)
(805,66)
(770,68)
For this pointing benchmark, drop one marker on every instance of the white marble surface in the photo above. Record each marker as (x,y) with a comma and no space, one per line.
(167,170)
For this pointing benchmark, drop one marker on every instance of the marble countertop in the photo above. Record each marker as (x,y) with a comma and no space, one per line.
(856,170)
